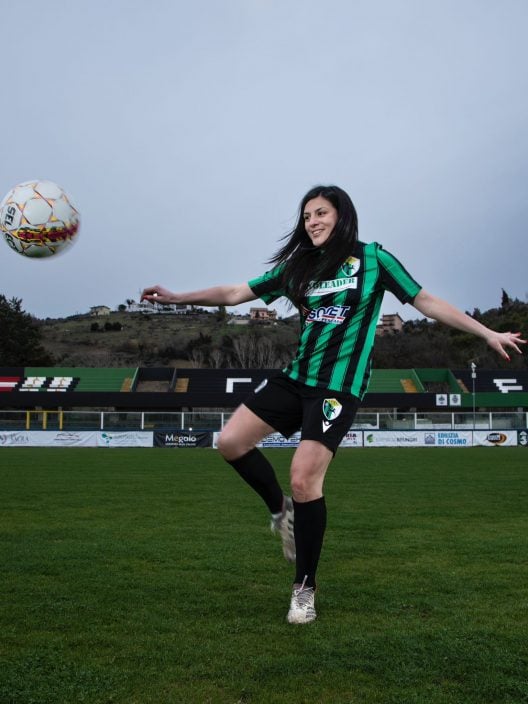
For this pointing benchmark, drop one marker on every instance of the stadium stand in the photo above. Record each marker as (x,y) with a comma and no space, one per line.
(161,388)
(81,378)
(396,381)
(158,379)
(439,381)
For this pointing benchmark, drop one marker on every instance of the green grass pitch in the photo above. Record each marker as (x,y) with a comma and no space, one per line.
(136,576)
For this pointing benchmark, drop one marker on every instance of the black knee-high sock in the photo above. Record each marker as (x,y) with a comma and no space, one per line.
(255,469)
(309,528)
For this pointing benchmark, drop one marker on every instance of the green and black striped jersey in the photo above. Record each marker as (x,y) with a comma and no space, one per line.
(339,317)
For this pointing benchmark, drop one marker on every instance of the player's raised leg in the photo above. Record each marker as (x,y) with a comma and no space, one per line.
(242,432)
(237,445)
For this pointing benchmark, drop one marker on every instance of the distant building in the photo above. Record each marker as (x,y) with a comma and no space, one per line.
(100,310)
(158,308)
(389,324)
(262,314)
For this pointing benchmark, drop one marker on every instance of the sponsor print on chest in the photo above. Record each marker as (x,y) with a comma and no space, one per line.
(328,314)
(345,280)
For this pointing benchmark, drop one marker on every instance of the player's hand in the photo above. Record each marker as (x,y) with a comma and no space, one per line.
(500,341)
(158,294)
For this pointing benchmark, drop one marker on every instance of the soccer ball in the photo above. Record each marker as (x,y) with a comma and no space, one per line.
(37,219)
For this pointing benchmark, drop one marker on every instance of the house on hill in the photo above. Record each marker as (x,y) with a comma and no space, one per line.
(263,314)
(100,310)
(389,324)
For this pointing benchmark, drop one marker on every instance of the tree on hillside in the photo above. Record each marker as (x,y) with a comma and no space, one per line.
(20,341)
(221,315)
(423,343)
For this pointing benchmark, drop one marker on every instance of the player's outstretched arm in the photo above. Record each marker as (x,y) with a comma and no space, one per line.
(230,295)
(436,308)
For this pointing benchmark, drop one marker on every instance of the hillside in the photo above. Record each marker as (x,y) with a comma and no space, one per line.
(424,343)
(207,340)
(135,339)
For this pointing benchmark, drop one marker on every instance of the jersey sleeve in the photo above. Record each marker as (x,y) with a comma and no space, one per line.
(395,278)
(269,286)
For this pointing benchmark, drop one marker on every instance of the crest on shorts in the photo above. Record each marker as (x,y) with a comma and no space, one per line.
(331,408)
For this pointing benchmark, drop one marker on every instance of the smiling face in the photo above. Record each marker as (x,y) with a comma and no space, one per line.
(320,218)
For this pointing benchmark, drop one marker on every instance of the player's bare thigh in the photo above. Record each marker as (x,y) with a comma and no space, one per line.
(241,433)
(308,470)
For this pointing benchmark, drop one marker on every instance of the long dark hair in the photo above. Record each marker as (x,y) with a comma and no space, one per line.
(302,261)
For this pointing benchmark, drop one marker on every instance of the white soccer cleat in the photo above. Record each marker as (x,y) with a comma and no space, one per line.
(282,524)
(302,605)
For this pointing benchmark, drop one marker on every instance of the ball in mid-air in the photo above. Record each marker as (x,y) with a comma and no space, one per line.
(38,219)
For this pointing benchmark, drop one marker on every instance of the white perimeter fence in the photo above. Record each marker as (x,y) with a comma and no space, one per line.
(215,421)
(200,429)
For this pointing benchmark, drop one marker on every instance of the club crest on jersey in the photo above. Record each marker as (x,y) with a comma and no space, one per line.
(328,314)
(350,266)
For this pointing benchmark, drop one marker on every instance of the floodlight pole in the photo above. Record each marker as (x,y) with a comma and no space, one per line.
(473,378)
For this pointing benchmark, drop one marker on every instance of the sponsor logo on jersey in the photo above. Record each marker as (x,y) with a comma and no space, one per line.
(350,266)
(328,314)
(331,409)
(323,288)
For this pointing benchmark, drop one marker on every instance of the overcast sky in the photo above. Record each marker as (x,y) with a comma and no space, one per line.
(187,133)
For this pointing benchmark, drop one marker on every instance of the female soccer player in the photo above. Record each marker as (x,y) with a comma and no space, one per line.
(337,283)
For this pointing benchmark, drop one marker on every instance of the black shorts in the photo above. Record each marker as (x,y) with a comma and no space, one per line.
(289,406)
